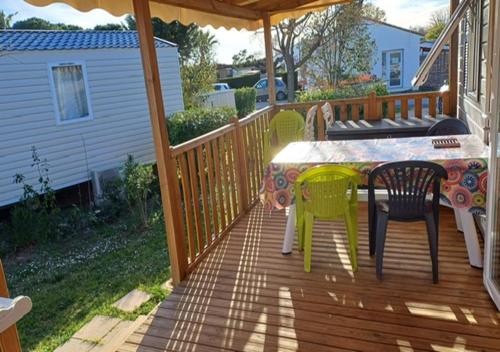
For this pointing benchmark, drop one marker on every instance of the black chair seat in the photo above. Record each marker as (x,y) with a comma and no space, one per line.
(406,214)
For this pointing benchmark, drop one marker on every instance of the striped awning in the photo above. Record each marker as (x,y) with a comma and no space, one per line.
(239,14)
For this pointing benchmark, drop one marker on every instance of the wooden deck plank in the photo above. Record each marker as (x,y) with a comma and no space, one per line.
(246,296)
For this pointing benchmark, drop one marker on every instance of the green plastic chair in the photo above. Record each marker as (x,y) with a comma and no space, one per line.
(332,193)
(285,127)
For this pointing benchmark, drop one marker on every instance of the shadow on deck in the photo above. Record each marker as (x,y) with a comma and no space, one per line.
(246,296)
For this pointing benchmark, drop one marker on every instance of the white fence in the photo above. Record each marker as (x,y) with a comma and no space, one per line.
(218,99)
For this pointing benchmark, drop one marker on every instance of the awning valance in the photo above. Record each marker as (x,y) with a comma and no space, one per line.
(239,14)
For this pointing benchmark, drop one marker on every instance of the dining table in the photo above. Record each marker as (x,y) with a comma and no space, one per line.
(465,189)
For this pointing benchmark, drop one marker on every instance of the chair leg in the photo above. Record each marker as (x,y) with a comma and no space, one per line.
(372,227)
(381,231)
(300,231)
(433,235)
(308,229)
(352,239)
(354,217)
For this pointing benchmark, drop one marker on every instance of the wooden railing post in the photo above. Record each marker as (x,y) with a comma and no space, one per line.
(447,107)
(166,164)
(9,339)
(241,164)
(320,122)
(372,106)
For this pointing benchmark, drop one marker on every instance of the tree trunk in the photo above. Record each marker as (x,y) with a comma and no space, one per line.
(290,78)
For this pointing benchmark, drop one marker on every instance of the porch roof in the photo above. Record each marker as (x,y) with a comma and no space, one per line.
(239,14)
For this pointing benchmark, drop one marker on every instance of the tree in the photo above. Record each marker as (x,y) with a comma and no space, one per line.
(374,12)
(438,21)
(40,23)
(6,20)
(243,58)
(348,50)
(110,27)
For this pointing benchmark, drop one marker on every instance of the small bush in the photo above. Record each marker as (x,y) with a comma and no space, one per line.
(352,91)
(245,101)
(242,81)
(189,124)
(36,217)
(137,182)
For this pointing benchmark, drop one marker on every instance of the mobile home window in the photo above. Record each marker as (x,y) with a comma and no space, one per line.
(392,68)
(472,50)
(70,91)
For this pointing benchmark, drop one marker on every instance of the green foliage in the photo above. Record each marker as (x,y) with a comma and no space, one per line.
(40,23)
(245,101)
(137,182)
(189,124)
(434,31)
(35,218)
(110,27)
(242,81)
(6,20)
(353,91)
(244,59)
(197,79)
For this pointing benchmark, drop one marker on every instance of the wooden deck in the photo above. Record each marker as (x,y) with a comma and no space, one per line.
(246,296)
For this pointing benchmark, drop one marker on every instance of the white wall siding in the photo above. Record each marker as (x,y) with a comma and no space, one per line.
(389,38)
(120,124)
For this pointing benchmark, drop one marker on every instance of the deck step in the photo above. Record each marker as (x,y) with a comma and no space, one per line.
(132,300)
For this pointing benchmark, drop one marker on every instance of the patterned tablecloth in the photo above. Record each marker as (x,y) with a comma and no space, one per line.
(467,166)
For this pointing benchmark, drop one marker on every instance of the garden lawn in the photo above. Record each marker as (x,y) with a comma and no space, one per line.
(71,281)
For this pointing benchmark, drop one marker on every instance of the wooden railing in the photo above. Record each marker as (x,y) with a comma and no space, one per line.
(219,173)
(219,176)
(376,107)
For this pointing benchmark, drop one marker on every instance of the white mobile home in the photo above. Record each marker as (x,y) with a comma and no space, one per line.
(79,98)
(397,54)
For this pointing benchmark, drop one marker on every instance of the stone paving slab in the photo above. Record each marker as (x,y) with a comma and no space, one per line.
(132,300)
(75,345)
(97,328)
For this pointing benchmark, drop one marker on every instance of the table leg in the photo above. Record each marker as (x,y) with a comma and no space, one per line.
(470,235)
(458,220)
(289,231)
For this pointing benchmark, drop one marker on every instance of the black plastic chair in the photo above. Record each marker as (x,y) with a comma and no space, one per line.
(448,126)
(409,185)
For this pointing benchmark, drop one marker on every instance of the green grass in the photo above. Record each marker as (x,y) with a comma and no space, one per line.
(71,281)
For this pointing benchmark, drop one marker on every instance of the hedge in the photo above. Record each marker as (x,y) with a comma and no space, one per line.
(353,91)
(245,101)
(189,124)
(242,81)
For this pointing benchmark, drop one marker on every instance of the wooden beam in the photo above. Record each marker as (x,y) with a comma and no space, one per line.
(167,168)
(216,7)
(268,39)
(9,339)
(453,65)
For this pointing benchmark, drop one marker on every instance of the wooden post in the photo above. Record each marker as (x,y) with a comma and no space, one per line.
(372,106)
(268,39)
(320,123)
(241,164)
(453,65)
(9,339)
(167,168)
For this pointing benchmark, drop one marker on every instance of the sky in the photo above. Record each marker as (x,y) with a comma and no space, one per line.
(404,13)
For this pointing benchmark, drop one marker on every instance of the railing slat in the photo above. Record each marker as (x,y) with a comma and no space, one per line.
(218,179)
(196,199)
(188,207)
(355,112)
(391,109)
(418,107)
(404,108)
(432,106)
(231,170)
(343,112)
(213,192)
(225,183)
(202,173)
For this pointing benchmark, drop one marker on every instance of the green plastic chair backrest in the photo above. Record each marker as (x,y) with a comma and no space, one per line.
(324,191)
(287,126)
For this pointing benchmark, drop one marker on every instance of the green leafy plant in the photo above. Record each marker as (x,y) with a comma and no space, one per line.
(137,183)
(349,91)
(189,124)
(245,101)
(35,218)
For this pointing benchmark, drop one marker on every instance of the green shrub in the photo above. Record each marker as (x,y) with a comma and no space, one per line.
(245,101)
(242,81)
(137,182)
(352,91)
(36,217)
(189,124)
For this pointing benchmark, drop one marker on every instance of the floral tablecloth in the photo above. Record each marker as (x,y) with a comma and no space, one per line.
(467,166)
